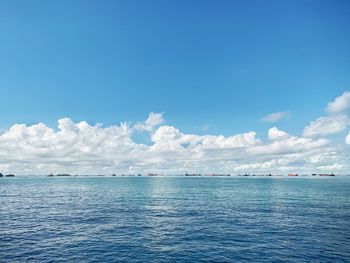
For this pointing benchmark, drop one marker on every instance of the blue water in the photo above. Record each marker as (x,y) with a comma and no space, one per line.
(175,219)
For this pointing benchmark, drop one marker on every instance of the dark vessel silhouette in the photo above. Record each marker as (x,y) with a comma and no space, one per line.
(331,174)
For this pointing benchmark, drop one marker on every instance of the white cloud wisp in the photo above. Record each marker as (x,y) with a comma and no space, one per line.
(275,116)
(327,125)
(340,104)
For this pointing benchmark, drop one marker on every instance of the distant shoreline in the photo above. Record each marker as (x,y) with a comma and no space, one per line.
(176,175)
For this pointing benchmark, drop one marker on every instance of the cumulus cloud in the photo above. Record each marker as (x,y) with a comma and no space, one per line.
(347,139)
(327,125)
(275,116)
(340,104)
(153,120)
(336,121)
(275,134)
(169,138)
(83,148)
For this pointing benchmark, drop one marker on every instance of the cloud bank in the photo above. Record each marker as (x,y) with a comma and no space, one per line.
(83,148)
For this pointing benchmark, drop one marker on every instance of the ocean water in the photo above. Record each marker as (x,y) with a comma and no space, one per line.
(175,219)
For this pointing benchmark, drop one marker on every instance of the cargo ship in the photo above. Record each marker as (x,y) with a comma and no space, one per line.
(7,175)
(331,174)
(292,174)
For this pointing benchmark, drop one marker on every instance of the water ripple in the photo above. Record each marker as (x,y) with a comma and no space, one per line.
(174,219)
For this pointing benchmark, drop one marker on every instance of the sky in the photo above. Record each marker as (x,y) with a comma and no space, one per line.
(174,86)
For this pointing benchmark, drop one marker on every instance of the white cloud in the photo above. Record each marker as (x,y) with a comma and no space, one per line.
(235,141)
(153,120)
(83,148)
(275,116)
(340,104)
(168,138)
(347,139)
(275,134)
(327,125)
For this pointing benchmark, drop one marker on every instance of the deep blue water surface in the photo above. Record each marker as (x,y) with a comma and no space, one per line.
(175,219)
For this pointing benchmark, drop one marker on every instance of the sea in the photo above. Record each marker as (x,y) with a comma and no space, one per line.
(175,219)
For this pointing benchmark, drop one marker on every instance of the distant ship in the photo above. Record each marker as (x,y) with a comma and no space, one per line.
(331,174)
(7,175)
(292,174)
(187,174)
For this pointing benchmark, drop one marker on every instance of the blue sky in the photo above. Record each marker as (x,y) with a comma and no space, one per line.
(221,65)
(203,86)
